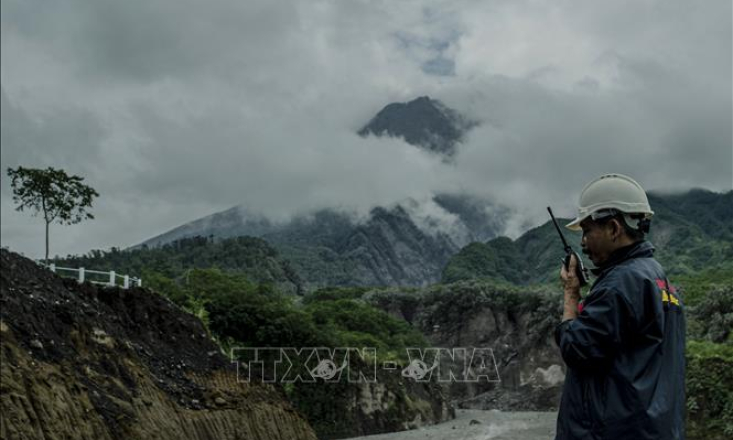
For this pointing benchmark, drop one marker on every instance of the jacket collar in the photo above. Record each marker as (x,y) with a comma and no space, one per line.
(640,249)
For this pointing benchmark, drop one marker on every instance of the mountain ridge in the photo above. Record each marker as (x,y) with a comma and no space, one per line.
(691,231)
(330,247)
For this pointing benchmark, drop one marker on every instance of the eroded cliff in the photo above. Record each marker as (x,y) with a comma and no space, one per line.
(84,362)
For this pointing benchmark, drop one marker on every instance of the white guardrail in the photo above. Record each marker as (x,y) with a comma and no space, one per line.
(111,280)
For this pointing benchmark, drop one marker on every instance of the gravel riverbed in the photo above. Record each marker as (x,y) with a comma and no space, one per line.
(482,425)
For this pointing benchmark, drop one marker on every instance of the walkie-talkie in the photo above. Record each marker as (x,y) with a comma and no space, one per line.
(580,270)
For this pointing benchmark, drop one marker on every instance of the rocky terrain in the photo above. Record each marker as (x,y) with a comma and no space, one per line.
(93,363)
(516,326)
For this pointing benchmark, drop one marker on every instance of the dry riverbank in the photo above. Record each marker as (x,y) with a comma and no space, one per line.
(494,425)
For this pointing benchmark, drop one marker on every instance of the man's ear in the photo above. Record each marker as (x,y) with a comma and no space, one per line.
(616,229)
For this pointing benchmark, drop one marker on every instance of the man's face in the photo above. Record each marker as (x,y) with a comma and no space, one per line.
(597,242)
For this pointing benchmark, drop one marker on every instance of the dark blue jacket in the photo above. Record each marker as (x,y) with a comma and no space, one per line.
(625,355)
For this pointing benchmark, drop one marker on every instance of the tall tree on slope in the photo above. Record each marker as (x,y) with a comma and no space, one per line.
(52,193)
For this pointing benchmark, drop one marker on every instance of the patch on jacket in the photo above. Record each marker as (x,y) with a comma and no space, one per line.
(668,293)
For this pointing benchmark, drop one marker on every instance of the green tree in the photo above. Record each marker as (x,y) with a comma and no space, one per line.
(52,193)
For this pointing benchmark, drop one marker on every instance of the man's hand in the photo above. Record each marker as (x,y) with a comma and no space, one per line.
(570,276)
(571,287)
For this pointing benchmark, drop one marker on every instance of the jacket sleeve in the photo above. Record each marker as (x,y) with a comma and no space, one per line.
(593,338)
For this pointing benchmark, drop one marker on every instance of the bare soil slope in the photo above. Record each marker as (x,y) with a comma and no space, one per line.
(83,362)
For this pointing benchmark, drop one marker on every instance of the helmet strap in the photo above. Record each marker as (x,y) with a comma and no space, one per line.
(643,224)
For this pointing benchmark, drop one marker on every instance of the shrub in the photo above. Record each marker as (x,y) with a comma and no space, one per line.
(709,391)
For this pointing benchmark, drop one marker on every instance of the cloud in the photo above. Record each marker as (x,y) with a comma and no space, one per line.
(174,110)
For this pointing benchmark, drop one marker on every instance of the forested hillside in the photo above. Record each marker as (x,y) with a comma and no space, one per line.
(693,232)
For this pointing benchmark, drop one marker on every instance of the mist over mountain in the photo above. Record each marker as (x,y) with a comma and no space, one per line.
(407,243)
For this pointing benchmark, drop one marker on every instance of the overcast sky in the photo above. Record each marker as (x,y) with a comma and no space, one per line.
(175,109)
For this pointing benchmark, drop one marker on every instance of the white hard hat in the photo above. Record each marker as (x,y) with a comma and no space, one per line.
(611,191)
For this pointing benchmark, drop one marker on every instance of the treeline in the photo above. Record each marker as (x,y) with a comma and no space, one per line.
(242,312)
(251,257)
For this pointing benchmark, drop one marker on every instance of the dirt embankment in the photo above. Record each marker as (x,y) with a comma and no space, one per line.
(104,363)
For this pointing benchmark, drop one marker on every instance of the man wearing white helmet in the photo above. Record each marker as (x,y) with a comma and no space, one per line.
(624,343)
